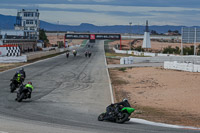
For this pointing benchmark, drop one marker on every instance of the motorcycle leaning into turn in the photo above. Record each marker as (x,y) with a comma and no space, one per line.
(121,116)
(23,93)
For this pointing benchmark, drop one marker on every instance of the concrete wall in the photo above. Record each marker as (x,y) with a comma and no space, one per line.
(13,59)
(133,52)
(190,67)
(161,59)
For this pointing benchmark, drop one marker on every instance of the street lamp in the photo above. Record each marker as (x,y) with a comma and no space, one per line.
(130,23)
(57,33)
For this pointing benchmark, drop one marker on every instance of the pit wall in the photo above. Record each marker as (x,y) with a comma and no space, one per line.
(13,59)
(190,67)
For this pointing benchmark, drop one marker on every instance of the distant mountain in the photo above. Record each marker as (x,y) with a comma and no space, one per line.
(7,22)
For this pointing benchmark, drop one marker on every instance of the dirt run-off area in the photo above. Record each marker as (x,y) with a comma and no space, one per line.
(159,95)
(6,66)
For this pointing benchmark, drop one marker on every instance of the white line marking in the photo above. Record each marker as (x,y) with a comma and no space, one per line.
(3,132)
(161,124)
(109,81)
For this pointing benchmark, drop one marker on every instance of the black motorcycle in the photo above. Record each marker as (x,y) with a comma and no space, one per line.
(67,55)
(120,117)
(23,93)
(15,84)
(89,54)
(86,54)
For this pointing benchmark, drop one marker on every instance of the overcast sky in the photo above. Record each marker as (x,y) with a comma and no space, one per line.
(110,12)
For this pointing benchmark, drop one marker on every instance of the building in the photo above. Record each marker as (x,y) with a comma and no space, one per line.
(26,31)
(28,21)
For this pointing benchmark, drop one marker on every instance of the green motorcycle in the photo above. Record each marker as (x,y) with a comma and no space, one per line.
(120,117)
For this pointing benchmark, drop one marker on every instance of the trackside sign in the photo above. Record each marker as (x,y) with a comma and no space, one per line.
(93,36)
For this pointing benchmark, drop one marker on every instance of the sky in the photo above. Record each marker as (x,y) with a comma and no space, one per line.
(110,12)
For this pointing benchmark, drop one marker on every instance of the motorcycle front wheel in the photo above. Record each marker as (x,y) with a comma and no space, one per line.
(123,118)
(12,87)
(101,116)
(21,97)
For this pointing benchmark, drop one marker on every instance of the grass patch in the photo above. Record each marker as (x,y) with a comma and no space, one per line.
(119,81)
(108,54)
(123,69)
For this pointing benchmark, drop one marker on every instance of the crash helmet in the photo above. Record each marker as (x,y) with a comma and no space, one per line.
(22,69)
(125,100)
(30,83)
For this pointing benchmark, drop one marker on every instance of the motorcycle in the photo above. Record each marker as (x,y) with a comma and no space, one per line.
(15,84)
(120,117)
(86,53)
(74,52)
(89,54)
(23,93)
(67,55)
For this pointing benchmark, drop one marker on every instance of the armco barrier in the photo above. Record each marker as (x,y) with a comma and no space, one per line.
(190,67)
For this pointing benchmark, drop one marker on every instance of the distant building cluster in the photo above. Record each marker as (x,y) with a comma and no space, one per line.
(26,32)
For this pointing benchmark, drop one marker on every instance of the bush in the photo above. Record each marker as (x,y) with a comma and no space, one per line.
(170,50)
(139,48)
(123,69)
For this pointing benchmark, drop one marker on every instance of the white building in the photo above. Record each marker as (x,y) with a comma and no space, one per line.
(28,21)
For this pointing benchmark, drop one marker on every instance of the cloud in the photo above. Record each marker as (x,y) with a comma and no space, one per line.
(108,12)
(145,3)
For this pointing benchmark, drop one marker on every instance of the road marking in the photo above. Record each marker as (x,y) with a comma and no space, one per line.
(3,132)
(109,81)
(161,124)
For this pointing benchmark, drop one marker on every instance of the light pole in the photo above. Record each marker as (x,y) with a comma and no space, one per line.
(130,23)
(57,33)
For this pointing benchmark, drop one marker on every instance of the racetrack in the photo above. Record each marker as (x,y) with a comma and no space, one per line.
(69,95)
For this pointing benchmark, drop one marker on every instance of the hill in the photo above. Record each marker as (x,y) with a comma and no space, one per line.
(7,22)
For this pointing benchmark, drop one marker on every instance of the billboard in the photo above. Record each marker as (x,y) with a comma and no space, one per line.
(108,36)
(93,36)
(190,35)
(77,36)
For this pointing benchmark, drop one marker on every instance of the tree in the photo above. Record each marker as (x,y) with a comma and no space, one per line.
(153,32)
(169,31)
(43,37)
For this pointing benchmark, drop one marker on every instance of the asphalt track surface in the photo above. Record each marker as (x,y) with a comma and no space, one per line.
(68,97)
